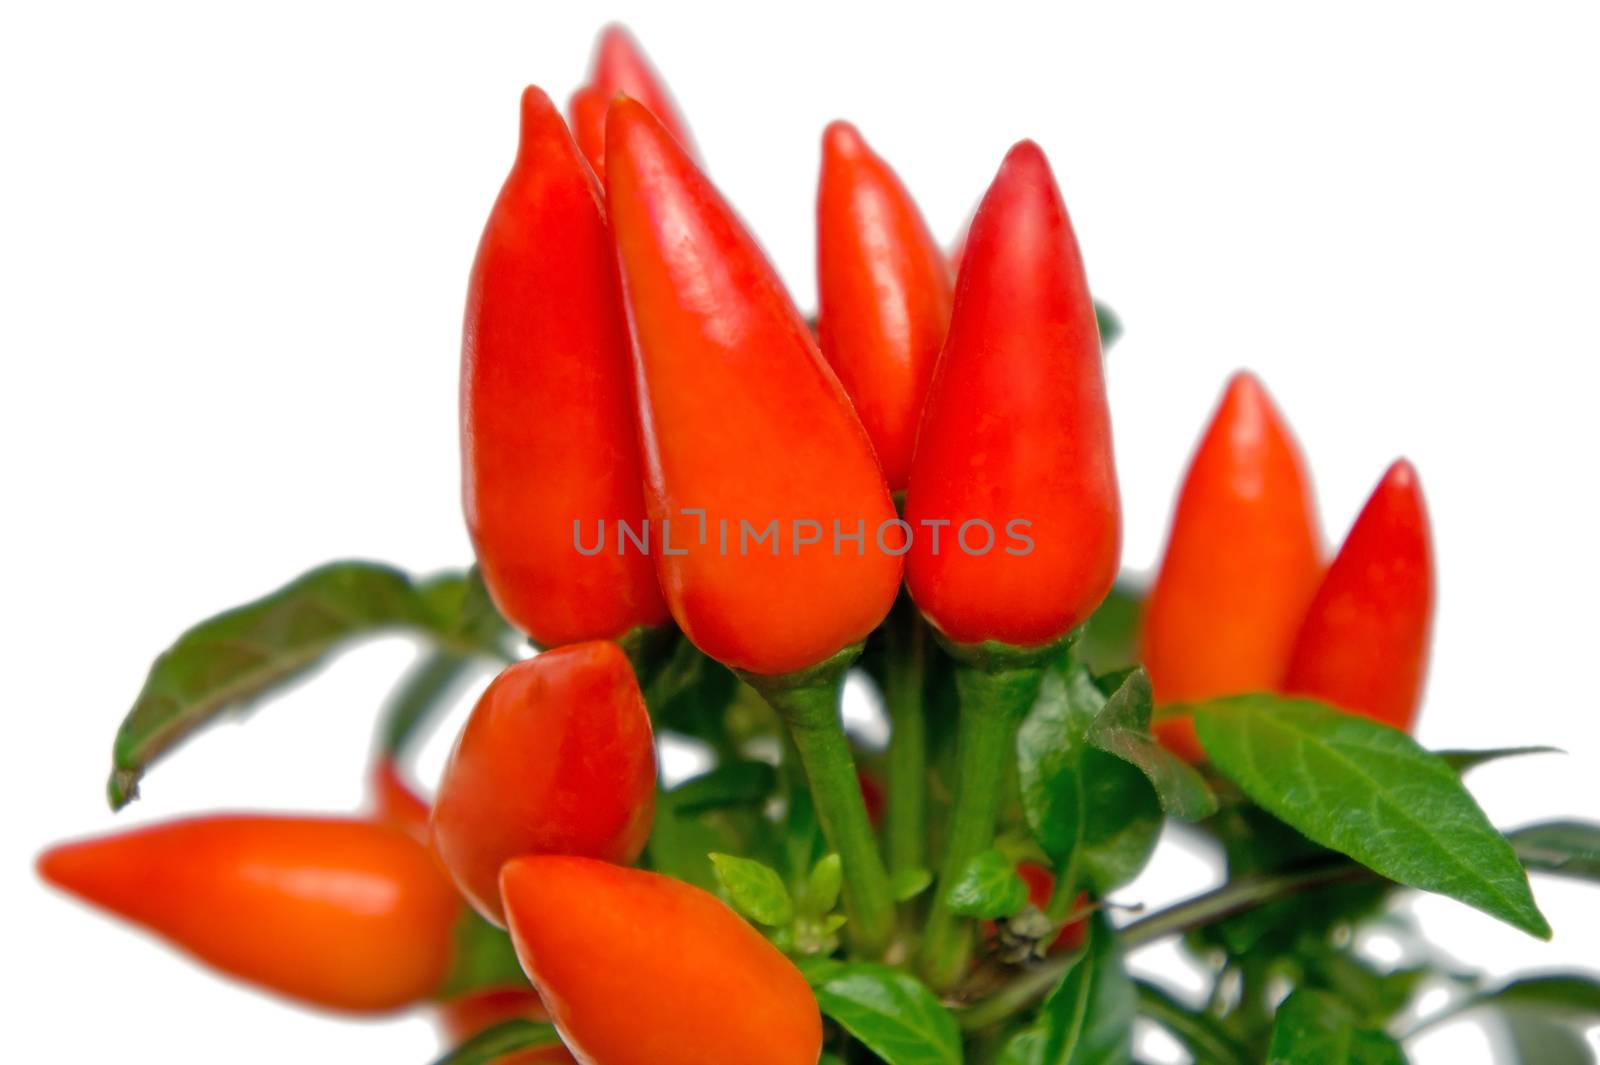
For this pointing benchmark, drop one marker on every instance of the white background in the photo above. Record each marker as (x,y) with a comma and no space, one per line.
(233,249)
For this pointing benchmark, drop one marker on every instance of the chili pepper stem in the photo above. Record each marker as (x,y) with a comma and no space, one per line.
(808,702)
(906,816)
(993,701)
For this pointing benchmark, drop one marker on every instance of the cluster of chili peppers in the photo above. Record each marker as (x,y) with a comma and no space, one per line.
(633,365)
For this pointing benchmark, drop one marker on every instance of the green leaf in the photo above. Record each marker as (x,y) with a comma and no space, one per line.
(1537,1040)
(491,1044)
(747,783)
(756,890)
(1123,729)
(1566,848)
(1573,996)
(1314,1028)
(1110,639)
(989,888)
(483,958)
(1368,791)
(907,884)
(1202,1035)
(228,661)
(1085,807)
(1461,761)
(1088,1018)
(891,1012)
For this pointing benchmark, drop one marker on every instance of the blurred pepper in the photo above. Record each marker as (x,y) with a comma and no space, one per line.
(550,461)
(339,913)
(466,1016)
(1242,563)
(884,295)
(557,758)
(621,67)
(1365,640)
(641,969)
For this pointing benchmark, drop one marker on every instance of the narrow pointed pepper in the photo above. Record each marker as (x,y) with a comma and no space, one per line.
(338,913)
(884,295)
(556,758)
(1241,564)
(1013,495)
(1364,643)
(641,969)
(758,472)
(549,450)
(621,67)
(396,803)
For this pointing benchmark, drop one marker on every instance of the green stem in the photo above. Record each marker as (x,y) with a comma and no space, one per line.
(992,705)
(809,706)
(1034,984)
(906,819)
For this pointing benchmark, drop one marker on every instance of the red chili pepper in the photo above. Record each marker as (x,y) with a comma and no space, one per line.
(1014,452)
(1241,564)
(1364,643)
(744,427)
(466,1016)
(557,758)
(641,969)
(621,67)
(338,913)
(884,294)
(549,448)
(587,111)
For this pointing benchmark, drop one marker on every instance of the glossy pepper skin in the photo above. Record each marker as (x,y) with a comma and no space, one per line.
(621,67)
(337,913)
(1016,430)
(1364,643)
(884,295)
(740,417)
(466,1016)
(547,421)
(556,758)
(641,969)
(1242,562)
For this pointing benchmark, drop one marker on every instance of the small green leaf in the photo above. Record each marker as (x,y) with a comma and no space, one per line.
(491,1044)
(1123,729)
(1566,848)
(891,1012)
(907,884)
(822,886)
(989,888)
(756,890)
(1461,761)
(1368,791)
(1088,1018)
(1084,806)
(1314,1028)
(229,660)
(748,783)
